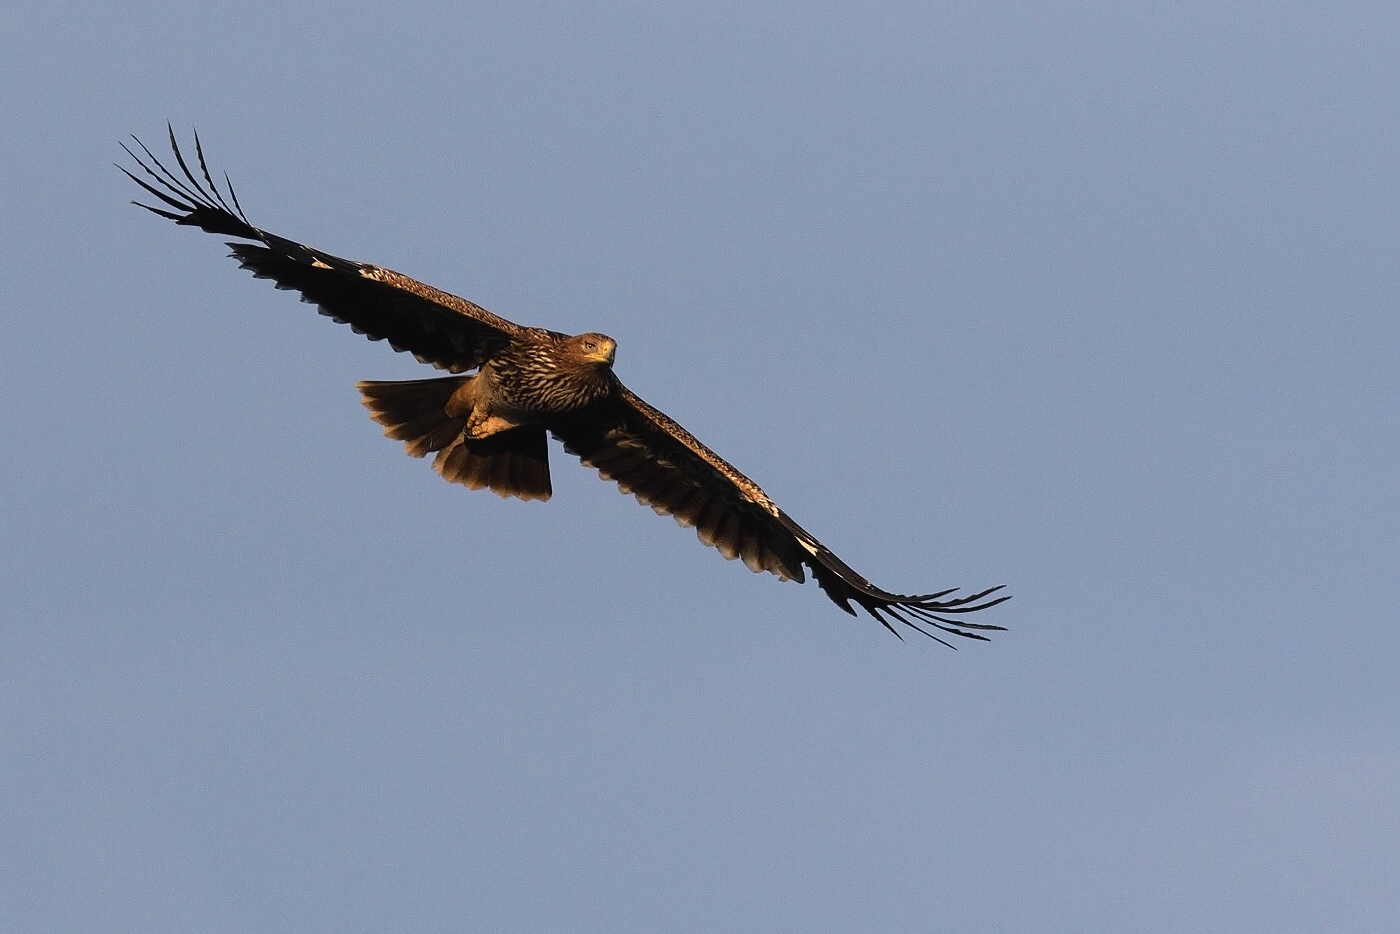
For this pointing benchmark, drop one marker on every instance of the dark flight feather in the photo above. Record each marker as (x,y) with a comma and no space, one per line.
(487,429)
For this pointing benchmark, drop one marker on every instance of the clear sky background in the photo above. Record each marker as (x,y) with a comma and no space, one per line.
(1098,301)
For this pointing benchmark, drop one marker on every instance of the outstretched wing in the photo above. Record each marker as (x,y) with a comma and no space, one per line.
(650,456)
(451,333)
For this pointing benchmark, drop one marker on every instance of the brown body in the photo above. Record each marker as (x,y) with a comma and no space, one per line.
(489,429)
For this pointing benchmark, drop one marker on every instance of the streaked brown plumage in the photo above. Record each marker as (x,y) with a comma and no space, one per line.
(488,429)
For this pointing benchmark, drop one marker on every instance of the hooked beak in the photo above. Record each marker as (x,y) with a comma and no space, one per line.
(606,352)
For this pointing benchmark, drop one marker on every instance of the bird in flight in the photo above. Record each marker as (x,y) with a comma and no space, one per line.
(487,424)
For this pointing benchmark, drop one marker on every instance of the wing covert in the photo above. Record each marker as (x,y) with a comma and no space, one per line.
(660,463)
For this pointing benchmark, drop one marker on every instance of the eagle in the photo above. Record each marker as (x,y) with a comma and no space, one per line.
(510,387)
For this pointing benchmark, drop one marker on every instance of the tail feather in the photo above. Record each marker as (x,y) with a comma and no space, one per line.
(415,411)
(510,463)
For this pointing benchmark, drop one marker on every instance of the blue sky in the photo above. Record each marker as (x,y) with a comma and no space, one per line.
(1096,302)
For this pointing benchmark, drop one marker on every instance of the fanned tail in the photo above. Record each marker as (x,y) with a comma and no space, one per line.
(415,411)
(510,463)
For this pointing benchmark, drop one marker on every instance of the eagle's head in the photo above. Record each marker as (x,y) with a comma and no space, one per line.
(594,348)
